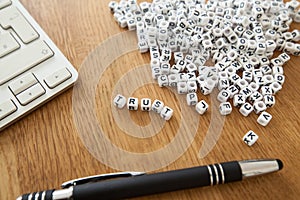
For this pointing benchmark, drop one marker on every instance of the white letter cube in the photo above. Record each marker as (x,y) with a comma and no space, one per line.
(192,86)
(120,101)
(239,100)
(157,106)
(264,118)
(202,107)
(132,103)
(191,99)
(246,109)
(259,106)
(166,113)
(250,138)
(269,100)
(182,88)
(145,104)
(223,96)
(225,108)
(163,81)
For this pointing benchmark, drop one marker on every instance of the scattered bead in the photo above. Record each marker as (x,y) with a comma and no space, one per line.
(246,109)
(239,37)
(202,107)
(239,100)
(223,96)
(191,99)
(250,138)
(259,107)
(225,108)
(264,118)
(269,100)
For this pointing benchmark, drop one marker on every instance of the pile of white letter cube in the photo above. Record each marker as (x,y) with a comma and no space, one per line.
(239,37)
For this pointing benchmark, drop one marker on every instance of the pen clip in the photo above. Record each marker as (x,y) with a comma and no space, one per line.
(100,177)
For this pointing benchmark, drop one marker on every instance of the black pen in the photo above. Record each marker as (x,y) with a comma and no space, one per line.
(134,184)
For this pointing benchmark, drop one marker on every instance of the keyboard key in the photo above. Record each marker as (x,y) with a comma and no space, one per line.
(23,60)
(22,83)
(4,3)
(8,44)
(7,108)
(11,17)
(30,94)
(57,78)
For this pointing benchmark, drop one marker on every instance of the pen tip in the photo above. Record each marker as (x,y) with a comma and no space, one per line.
(280,164)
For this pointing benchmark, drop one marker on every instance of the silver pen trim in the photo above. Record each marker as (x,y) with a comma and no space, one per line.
(63,194)
(217,175)
(99,177)
(43,195)
(222,173)
(211,176)
(37,196)
(252,168)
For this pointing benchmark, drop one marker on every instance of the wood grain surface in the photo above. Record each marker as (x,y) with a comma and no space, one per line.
(46,148)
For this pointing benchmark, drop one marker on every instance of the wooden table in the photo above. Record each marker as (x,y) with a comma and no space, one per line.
(46,148)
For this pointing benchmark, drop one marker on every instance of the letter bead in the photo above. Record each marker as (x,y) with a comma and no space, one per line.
(182,88)
(264,118)
(232,91)
(280,78)
(253,86)
(223,96)
(239,100)
(250,138)
(202,107)
(268,79)
(163,81)
(259,106)
(172,78)
(191,99)
(191,67)
(276,87)
(120,101)
(165,68)
(192,86)
(241,83)
(246,109)
(132,103)
(225,108)
(145,104)
(277,70)
(207,87)
(265,90)
(247,91)
(223,83)
(269,100)
(166,113)
(157,106)
(255,96)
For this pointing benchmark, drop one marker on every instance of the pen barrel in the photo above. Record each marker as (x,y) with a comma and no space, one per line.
(159,182)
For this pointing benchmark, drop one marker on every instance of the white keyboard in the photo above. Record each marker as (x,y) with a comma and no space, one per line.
(32,68)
